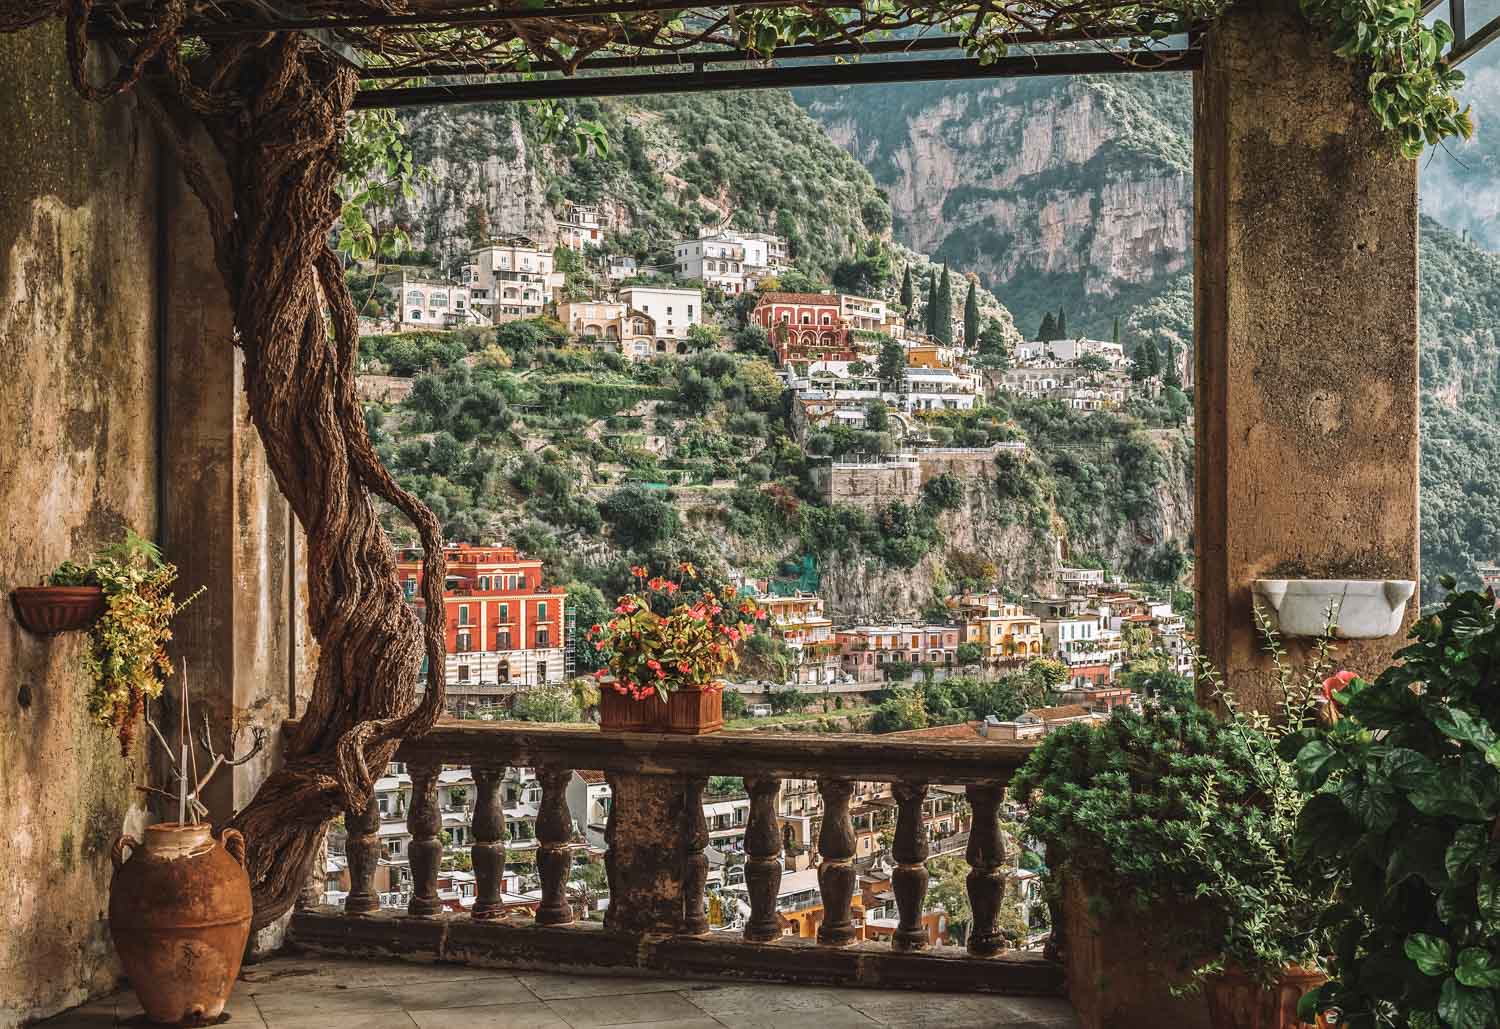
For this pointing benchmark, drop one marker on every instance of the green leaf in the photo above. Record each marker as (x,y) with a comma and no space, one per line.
(1475,968)
(1431,953)
(1374,806)
(1463,1007)
(1407,770)
(1466,851)
(1458,724)
(1315,762)
(1488,896)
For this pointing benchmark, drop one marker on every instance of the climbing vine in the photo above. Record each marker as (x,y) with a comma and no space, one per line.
(1412,87)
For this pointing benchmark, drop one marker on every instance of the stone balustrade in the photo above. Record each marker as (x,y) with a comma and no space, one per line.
(656,868)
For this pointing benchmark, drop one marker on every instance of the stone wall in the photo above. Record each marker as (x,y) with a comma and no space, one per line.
(869,487)
(78,463)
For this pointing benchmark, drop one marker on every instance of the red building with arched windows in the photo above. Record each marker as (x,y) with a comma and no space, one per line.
(805,326)
(505,625)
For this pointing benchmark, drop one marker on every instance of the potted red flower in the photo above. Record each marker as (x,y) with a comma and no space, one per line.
(664,651)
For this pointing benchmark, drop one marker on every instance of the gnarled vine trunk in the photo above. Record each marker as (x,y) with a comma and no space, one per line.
(274,107)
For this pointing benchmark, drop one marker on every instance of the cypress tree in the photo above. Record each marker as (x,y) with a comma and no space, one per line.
(943,319)
(971,317)
(1170,376)
(929,325)
(1116,336)
(907,296)
(1062,324)
(1048,332)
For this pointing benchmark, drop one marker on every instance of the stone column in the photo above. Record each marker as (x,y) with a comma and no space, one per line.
(1306,329)
(224,521)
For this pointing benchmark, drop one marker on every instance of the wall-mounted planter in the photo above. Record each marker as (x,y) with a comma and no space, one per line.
(48,610)
(1362,609)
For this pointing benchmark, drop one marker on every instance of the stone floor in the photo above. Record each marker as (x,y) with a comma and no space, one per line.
(313,993)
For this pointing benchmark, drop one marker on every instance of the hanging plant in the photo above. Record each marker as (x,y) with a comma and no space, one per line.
(127,658)
(1412,87)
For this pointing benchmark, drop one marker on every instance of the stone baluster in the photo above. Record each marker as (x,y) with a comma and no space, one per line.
(909,880)
(489,843)
(425,852)
(836,879)
(695,866)
(763,860)
(986,881)
(362,849)
(554,857)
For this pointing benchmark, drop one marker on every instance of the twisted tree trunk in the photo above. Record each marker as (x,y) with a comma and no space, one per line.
(275,109)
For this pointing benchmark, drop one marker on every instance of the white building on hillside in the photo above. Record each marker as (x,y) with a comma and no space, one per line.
(581,228)
(511,278)
(430,303)
(1070,350)
(674,310)
(936,389)
(718,261)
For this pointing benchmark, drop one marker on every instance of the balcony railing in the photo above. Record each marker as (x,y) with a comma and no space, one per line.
(657,869)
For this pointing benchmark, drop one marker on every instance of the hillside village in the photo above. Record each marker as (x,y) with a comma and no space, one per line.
(871,418)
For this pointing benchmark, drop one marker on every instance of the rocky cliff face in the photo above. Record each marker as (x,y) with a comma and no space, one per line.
(1071,192)
(484,179)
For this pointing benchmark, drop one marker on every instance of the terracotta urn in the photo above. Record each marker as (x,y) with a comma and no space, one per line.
(48,610)
(1237,1000)
(179,913)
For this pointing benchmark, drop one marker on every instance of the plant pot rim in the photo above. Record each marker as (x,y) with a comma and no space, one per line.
(40,591)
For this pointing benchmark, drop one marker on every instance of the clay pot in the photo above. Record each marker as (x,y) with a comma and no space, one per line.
(694,711)
(48,610)
(1237,1000)
(179,913)
(619,713)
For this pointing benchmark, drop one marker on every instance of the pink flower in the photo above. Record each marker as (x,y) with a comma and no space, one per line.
(684,667)
(653,664)
(1336,682)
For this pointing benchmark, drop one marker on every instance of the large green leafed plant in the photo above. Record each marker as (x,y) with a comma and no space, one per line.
(1404,823)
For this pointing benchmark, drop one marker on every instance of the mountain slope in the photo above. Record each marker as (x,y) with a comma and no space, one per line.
(1073,193)
(1078,193)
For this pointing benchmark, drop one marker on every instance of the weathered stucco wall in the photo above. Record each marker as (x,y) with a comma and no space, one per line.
(1307,334)
(78,463)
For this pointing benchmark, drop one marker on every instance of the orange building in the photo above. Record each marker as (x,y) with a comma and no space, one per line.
(505,626)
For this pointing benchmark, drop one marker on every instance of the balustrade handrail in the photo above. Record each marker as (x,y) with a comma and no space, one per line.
(745,753)
(657,831)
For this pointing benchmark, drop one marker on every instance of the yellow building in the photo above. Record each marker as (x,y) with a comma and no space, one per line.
(1006,632)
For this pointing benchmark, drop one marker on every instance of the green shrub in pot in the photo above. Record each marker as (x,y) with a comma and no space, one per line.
(1181,818)
(1404,825)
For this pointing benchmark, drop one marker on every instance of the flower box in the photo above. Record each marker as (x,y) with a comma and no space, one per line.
(1359,609)
(694,711)
(48,610)
(619,713)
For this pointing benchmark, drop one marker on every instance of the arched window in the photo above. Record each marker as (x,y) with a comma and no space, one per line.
(414,296)
(439,299)
(806,318)
(416,316)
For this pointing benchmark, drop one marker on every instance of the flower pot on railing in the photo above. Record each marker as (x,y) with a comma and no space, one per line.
(694,711)
(48,610)
(179,913)
(620,713)
(1238,1000)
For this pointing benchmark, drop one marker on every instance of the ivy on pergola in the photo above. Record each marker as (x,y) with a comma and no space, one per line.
(272,83)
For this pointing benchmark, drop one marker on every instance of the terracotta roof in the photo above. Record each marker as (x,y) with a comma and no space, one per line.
(591,777)
(830,299)
(1057,714)
(957,731)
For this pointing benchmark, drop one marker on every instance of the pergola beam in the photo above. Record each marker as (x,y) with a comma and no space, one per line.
(695,58)
(778,77)
(1465,47)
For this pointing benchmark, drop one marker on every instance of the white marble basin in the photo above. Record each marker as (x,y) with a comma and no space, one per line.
(1360,609)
